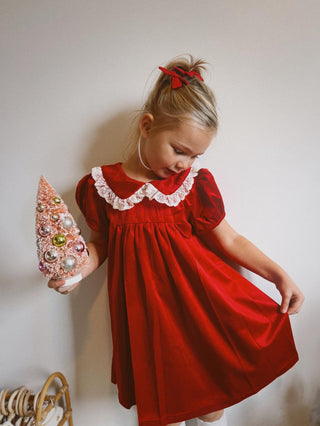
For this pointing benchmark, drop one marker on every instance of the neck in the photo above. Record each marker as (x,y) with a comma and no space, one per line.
(135,170)
(140,156)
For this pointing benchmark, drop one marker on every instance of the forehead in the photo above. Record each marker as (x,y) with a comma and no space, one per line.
(192,135)
(192,126)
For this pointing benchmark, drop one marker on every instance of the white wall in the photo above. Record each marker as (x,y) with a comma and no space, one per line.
(70,73)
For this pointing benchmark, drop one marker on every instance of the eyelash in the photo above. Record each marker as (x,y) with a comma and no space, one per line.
(179,152)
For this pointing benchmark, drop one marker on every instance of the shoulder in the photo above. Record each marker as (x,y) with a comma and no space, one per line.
(204,174)
(106,171)
(88,183)
(204,178)
(99,172)
(205,186)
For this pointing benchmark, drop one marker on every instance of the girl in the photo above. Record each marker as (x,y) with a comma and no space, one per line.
(191,336)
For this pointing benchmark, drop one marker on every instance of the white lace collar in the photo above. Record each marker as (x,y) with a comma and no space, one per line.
(147,190)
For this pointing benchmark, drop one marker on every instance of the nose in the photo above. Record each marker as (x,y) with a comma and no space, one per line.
(183,165)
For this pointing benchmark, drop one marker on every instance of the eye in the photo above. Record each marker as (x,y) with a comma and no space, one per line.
(178,151)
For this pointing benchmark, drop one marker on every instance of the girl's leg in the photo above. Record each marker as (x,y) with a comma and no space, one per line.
(211,417)
(215,419)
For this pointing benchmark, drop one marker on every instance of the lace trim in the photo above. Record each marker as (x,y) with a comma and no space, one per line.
(147,190)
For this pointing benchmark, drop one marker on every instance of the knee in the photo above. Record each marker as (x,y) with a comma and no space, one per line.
(211,417)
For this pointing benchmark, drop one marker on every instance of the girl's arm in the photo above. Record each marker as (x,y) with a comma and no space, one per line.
(246,254)
(97,247)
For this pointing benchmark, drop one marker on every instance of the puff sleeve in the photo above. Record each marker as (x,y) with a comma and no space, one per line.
(207,208)
(92,205)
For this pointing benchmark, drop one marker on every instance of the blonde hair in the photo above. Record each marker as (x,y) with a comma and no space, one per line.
(195,100)
(170,106)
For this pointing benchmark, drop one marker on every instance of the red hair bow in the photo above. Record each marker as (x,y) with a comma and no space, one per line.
(177,80)
(189,73)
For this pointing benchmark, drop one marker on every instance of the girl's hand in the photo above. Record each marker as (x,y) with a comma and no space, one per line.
(97,248)
(292,297)
(246,254)
(56,285)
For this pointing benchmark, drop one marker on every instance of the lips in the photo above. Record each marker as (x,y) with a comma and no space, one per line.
(171,172)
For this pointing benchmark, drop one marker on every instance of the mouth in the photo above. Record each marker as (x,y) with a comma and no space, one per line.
(171,172)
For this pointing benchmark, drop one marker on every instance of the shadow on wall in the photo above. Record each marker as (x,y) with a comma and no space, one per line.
(110,140)
(296,411)
(89,303)
(315,412)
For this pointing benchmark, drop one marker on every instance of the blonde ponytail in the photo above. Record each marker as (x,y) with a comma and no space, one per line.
(192,100)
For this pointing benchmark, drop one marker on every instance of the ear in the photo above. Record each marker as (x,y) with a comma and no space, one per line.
(145,124)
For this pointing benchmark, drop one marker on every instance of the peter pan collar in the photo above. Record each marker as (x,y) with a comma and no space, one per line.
(150,190)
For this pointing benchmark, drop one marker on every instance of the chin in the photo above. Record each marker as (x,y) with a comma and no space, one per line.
(170,172)
(164,173)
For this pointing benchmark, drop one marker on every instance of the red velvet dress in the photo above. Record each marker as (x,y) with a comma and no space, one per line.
(190,334)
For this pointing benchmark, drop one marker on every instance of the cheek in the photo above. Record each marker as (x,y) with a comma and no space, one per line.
(162,153)
(169,157)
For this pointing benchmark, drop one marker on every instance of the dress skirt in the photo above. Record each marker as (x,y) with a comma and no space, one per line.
(190,334)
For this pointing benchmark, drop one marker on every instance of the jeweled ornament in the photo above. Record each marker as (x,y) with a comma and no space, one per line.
(61,250)
(59,240)
(51,255)
(68,263)
(77,230)
(44,230)
(67,222)
(79,247)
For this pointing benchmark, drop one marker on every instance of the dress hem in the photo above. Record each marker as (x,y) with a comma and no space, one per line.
(211,407)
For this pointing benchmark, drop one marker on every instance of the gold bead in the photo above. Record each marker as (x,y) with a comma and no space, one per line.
(59,240)
(56,200)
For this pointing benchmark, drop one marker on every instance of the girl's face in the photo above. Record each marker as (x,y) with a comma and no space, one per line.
(173,150)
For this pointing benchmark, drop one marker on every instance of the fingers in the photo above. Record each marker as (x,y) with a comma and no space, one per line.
(292,303)
(295,304)
(285,303)
(56,283)
(60,286)
(67,289)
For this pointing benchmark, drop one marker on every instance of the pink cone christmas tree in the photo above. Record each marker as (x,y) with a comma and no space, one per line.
(61,249)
